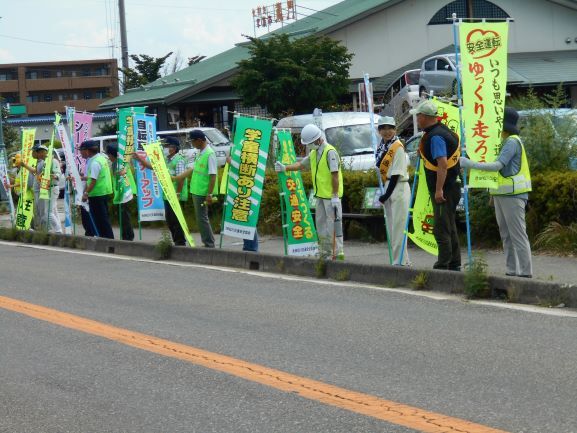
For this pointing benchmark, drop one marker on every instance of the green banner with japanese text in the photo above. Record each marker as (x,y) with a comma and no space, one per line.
(484,77)
(298,229)
(156,158)
(25,209)
(46,180)
(246,177)
(423,218)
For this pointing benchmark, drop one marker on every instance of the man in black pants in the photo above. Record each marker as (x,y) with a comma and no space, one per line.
(440,152)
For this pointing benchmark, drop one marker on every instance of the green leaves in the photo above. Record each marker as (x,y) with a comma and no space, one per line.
(293,76)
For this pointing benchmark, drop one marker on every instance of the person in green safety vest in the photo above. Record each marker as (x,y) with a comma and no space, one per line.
(98,186)
(176,164)
(511,196)
(202,184)
(325,165)
(120,194)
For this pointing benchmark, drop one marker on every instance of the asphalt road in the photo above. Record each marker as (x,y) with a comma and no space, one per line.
(511,370)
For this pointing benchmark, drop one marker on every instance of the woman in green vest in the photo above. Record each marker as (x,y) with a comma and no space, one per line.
(202,184)
(124,188)
(511,196)
(327,177)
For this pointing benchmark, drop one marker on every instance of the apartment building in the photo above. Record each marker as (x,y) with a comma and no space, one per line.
(45,87)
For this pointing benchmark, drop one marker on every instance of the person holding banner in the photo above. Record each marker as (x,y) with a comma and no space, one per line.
(124,175)
(98,187)
(393,164)
(176,164)
(42,206)
(202,184)
(440,151)
(511,196)
(327,177)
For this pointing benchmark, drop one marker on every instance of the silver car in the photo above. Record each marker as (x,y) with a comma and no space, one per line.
(438,75)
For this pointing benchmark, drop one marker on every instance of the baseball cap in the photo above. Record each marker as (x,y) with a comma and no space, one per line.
(89,144)
(387,120)
(38,147)
(197,134)
(170,141)
(428,108)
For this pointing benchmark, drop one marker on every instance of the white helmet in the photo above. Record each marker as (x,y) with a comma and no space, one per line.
(310,134)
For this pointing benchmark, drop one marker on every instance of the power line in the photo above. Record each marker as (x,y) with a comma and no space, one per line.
(53,43)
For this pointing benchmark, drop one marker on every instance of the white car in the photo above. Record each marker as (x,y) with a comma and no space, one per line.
(438,75)
(402,95)
(349,132)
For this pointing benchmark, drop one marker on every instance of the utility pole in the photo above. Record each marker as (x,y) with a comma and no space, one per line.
(123,38)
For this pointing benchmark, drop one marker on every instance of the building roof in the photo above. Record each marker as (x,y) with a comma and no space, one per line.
(214,69)
(46,120)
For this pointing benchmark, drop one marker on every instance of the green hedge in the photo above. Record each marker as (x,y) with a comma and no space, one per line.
(554,199)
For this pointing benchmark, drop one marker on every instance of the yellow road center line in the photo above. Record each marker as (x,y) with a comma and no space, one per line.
(385,410)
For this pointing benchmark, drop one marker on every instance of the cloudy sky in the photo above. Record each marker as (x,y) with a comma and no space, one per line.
(57,30)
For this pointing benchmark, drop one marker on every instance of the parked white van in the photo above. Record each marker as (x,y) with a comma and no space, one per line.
(217,140)
(349,132)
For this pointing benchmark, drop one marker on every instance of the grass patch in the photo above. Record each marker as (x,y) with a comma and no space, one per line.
(476,282)
(558,238)
(343,275)
(421,281)
(321,268)
(164,246)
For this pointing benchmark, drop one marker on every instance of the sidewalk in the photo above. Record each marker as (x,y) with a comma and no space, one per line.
(546,267)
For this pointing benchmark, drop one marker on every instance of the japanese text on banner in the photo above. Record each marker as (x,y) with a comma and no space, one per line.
(484,73)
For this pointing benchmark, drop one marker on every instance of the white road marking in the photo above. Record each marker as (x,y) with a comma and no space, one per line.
(437,296)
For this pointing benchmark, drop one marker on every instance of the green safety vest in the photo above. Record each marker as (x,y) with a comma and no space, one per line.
(518,183)
(200,178)
(103,184)
(131,182)
(322,176)
(171,165)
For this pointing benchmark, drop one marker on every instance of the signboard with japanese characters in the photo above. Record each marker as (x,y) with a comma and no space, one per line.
(299,230)
(150,198)
(484,72)
(246,176)
(25,209)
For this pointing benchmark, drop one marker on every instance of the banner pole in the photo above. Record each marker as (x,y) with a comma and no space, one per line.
(463,140)
(281,198)
(411,204)
(369,97)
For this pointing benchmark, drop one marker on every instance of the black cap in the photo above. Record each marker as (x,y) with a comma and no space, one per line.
(171,141)
(38,147)
(112,149)
(510,119)
(89,144)
(197,134)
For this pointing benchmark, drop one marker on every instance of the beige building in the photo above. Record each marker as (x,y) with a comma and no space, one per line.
(43,88)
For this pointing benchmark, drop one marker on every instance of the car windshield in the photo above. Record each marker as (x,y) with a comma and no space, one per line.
(216,137)
(413,77)
(351,140)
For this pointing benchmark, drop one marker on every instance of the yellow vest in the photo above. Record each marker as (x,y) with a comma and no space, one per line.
(518,183)
(388,159)
(322,176)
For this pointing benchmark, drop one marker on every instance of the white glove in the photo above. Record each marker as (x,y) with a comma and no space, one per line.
(335,202)
(467,163)
(279,167)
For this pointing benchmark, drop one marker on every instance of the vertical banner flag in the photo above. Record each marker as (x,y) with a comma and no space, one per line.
(484,71)
(6,181)
(82,132)
(25,209)
(156,158)
(299,230)
(150,199)
(246,177)
(123,193)
(71,167)
(46,180)
(423,219)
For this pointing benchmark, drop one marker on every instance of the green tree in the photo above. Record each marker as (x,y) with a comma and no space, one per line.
(549,137)
(146,70)
(293,76)
(11,135)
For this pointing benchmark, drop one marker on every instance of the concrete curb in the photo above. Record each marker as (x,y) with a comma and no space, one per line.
(519,290)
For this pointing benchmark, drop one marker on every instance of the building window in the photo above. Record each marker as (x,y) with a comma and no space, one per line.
(75,96)
(101,94)
(32,75)
(46,74)
(48,97)
(481,9)
(58,74)
(86,72)
(32,98)
(87,94)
